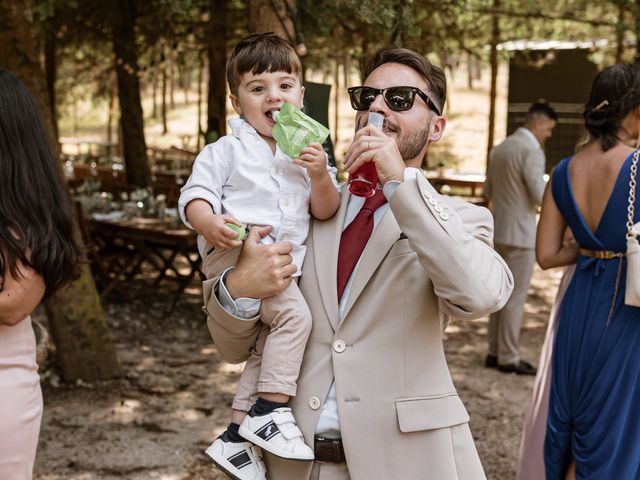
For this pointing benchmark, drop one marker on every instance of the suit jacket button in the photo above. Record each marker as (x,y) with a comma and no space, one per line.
(314,403)
(444,215)
(438,208)
(339,346)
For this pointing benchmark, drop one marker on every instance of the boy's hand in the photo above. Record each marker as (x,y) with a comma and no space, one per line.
(219,235)
(314,159)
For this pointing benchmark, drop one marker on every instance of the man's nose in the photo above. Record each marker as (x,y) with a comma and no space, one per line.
(378,105)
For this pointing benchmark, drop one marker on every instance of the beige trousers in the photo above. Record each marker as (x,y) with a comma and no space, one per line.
(275,360)
(329,471)
(504,325)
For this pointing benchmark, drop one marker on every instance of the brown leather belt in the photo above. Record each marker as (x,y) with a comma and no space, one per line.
(328,450)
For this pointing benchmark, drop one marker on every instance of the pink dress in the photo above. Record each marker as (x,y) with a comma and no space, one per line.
(531,459)
(20,401)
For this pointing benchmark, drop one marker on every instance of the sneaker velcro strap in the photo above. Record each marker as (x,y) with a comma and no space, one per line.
(290,431)
(282,418)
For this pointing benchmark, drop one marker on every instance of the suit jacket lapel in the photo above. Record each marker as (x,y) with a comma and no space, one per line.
(382,239)
(326,242)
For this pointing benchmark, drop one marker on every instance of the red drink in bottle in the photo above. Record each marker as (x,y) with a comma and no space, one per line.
(363,182)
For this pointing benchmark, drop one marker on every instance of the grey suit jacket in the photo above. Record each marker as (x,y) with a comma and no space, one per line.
(400,414)
(515,186)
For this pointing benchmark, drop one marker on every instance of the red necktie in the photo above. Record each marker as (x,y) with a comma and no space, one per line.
(355,237)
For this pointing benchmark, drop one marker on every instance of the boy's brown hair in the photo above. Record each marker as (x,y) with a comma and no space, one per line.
(258,53)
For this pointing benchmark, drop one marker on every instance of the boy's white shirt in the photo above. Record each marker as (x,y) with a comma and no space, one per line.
(240,176)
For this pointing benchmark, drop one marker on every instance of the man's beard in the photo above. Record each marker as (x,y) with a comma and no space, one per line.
(411,144)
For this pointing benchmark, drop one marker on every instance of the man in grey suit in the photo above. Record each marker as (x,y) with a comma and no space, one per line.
(514,188)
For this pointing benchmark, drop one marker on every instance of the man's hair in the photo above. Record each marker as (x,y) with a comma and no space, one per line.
(541,108)
(436,81)
(259,53)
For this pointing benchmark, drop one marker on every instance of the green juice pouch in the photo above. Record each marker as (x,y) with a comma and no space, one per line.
(294,130)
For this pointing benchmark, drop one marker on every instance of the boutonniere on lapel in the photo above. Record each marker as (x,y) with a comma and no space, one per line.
(402,236)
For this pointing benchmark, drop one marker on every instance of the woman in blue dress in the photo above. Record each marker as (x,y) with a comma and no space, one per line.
(593,426)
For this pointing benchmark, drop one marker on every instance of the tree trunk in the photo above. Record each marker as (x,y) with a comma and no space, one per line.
(154,84)
(84,348)
(172,79)
(50,64)
(263,17)
(112,109)
(470,68)
(495,39)
(336,102)
(131,117)
(637,12)
(163,96)
(201,55)
(216,101)
(620,33)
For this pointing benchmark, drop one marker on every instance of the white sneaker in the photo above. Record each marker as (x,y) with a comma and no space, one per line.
(277,433)
(239,460)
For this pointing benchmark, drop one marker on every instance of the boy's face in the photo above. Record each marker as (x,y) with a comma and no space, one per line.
(259,95)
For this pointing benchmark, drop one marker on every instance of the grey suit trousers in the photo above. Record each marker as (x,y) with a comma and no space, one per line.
(504,325)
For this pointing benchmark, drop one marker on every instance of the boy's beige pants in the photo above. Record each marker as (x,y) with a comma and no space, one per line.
(275,360)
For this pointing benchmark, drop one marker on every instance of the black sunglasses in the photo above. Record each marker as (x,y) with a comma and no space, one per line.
(398,99)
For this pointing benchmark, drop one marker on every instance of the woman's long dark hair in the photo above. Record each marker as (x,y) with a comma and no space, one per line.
(614,94)
(35,215)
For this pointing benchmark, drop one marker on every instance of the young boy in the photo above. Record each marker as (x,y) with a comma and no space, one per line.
(243,178)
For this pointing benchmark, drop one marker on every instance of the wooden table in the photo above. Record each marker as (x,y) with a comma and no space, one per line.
(158,242)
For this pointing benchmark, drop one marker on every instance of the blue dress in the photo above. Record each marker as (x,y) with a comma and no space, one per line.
(594,404)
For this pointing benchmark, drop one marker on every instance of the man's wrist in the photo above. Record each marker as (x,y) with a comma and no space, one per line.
(232,283)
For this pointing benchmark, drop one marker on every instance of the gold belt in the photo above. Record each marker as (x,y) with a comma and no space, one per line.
(603,254)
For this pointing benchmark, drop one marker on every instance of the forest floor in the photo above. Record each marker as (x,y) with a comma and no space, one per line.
(173,398)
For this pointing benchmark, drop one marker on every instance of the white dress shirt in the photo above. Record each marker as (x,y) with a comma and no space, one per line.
(329,423)
(240,176)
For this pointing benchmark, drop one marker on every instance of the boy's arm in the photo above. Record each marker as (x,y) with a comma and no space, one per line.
(325,198)
(210,225)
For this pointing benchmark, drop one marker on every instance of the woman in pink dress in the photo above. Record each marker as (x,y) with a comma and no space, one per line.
(37,256)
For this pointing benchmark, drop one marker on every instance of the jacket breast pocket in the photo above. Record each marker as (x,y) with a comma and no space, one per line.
(430,413)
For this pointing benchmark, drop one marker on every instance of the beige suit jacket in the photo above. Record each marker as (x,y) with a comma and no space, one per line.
(400,414)
(515,186)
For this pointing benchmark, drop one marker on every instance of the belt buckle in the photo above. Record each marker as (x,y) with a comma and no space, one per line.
(328,449)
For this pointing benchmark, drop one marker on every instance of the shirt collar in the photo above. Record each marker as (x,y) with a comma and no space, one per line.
(531,136)
(240,125)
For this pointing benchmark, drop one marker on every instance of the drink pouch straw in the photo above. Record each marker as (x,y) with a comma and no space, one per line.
(294,130)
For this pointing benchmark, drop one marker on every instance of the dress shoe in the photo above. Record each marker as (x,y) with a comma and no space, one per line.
(520,368)
(491,361)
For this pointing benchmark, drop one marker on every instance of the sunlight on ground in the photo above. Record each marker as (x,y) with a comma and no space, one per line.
(462,147)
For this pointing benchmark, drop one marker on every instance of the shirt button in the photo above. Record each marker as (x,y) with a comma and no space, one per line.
(314,403)
(339,346)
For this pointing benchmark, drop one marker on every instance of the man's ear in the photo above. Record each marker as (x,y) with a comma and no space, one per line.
(235,102)
(437,128)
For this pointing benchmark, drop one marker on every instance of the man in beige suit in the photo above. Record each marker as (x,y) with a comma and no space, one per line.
(375,397)
(514,188)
